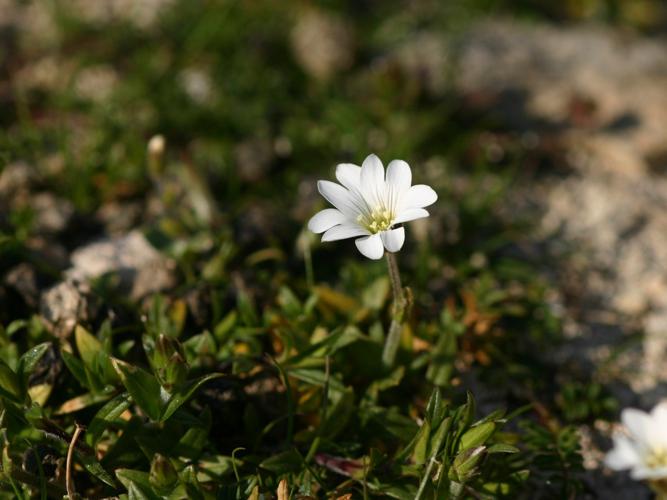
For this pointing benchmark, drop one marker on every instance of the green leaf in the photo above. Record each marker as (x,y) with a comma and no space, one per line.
(30,358)
(338,414)
(439,437)
(282,463)
(87,345)
(127,476)
(401,491)
(142,386)
(95,468)
(162,474)
(224,328)
(317,377)
(436,408)
(80,402)
(137,484)
(134,492)
(94,357)
(467,411)
(464,466)
(16,325)
(502,448)
(329,345)
(375,294)
(246,308)
(421,444)
(391,380)
(10,385)
(288,302)
(84,376)
(477,435)
(76,368)
(107,414)
(182,395)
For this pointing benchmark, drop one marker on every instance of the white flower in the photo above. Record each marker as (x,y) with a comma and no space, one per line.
(369,205)
(644,449)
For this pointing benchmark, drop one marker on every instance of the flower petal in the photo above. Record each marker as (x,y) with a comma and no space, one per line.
(659,412)
(623,455)
(638,424)
(393,239)
(372,181)
(641,471)
(419,196)
(399,176)
(325,219)
(371,246)
(340,198)
(410,214)
(343,231)
(659,419)
(349,175)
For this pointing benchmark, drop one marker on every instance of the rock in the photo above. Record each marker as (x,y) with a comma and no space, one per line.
(16,177)
(545,78)
(140,268)
(601,95)
(52,214)
(23,279)
(66,304)
(198,85)
(48,252)
(142,14)
(322,43)
(253,158)
(424,60)
(119,217)
(96,83)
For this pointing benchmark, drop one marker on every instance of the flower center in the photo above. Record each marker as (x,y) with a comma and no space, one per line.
(378,220)
(657,457)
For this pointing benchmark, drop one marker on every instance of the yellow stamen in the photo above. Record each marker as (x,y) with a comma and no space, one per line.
(657,457)
(380,219)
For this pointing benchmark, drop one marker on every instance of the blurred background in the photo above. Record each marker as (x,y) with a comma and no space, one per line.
(541,123)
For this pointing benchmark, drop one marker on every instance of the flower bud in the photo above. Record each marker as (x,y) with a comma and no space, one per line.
(465,464)
(156,147)
(176,371)
(165,347)
(162,475)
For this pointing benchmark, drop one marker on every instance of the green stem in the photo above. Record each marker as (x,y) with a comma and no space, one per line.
(308,260)
(659,486)
(397,313)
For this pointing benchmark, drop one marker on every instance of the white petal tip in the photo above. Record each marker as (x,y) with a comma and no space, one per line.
(393,240)
(371,246)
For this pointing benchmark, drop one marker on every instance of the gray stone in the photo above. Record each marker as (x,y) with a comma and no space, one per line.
(322,43)
(52,214)
(601,96)
(23,279)
(542,79)
(66,304)
(253,159)
(140,268)
(16,177)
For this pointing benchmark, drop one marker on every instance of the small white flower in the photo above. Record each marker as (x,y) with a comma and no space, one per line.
(370,205)
(644,449)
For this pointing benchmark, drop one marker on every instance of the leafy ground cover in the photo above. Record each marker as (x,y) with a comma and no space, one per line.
(255,369)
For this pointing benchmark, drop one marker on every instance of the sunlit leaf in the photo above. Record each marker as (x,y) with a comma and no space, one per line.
(142,386)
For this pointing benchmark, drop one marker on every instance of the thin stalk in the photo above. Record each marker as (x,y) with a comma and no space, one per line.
(397,313)
(308,261)
(69,483)
(659,486)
